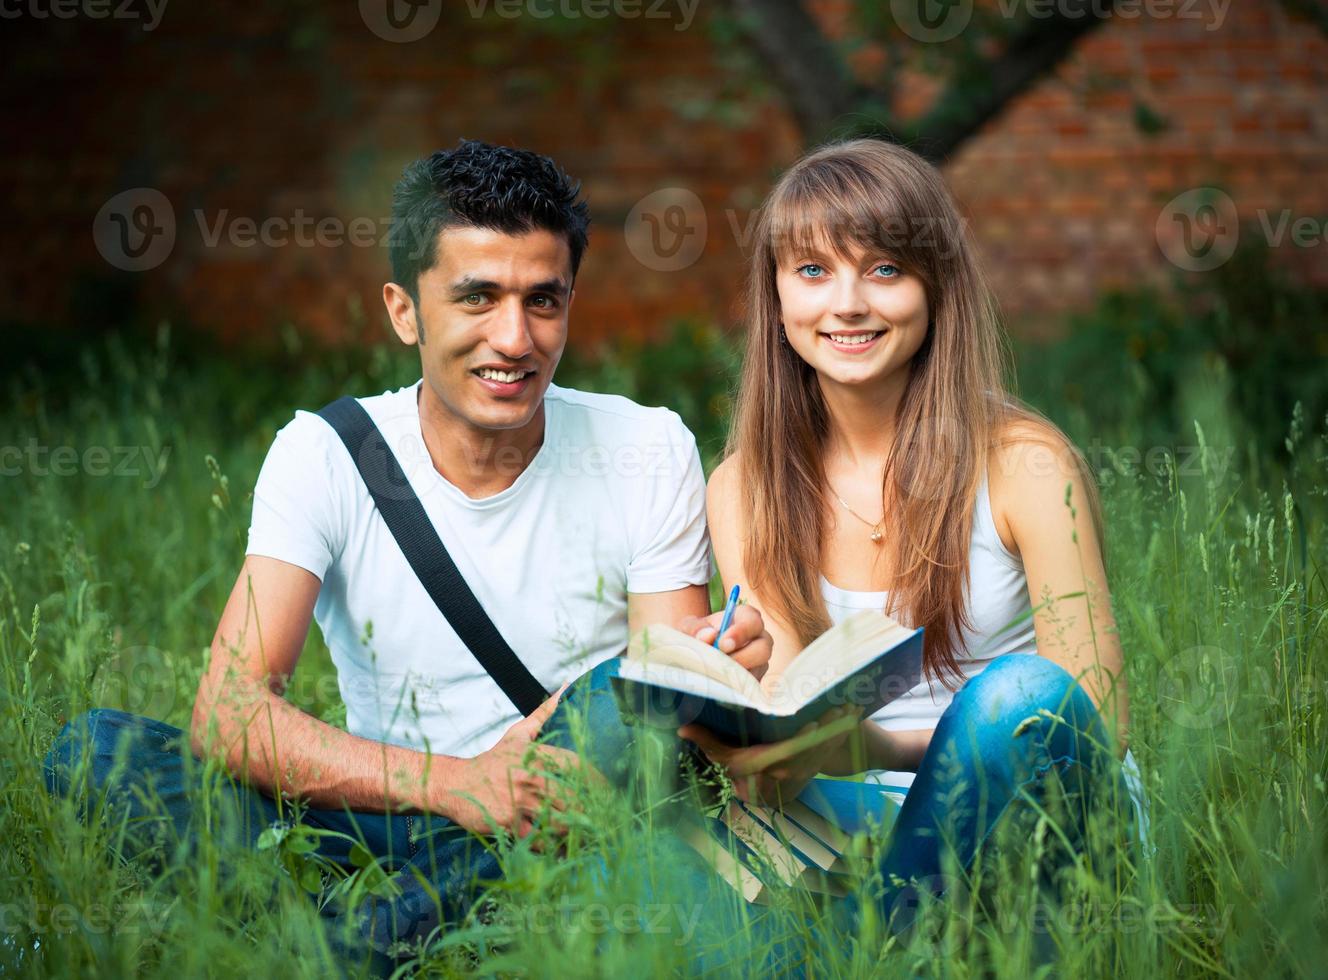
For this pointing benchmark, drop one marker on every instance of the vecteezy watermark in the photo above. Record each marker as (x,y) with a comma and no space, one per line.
(148,11)
(38,459)
(1117,918)
(938,21)
(135,229)
(300,229)
(649,456)
(401,21)
(932,21)
(404,21)
(1304,231)
(1199,229)
(142,917)
(1212,12)
(681,11)
(145,680)
(1160,461)
(567,918)
(666,230)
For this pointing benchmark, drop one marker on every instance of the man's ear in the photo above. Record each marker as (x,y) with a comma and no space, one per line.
(401,311)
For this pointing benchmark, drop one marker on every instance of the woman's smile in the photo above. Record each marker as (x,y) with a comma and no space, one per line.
(853,342)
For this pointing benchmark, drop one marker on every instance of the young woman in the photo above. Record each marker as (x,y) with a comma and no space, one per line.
(877,462)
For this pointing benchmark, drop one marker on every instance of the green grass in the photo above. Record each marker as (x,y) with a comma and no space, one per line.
(110,590)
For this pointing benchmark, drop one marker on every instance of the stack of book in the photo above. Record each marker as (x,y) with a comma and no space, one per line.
(670,679)
(816,841)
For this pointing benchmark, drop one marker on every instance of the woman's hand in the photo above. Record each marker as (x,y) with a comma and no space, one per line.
(776,773)
(746,640)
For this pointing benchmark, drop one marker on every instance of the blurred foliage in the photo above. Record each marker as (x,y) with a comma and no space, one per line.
(692,370)
(1139,365)
(1242,333)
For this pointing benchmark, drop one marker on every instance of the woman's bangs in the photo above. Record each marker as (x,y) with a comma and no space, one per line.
(836,218)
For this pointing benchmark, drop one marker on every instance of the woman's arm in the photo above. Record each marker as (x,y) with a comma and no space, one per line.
(870,747)
(1041,508)
(728,531)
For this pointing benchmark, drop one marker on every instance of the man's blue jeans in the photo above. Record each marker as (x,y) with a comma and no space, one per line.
(1006,731)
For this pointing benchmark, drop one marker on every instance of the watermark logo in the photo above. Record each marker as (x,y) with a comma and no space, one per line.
(401,21)
(144,680)
(666,230)
(682,11)
(1199,229)
(35,458)
(932,21)
(1196,687)
(135,230)
(149,12)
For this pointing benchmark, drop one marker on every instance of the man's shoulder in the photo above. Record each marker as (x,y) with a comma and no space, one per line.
(389,408)
(605,416)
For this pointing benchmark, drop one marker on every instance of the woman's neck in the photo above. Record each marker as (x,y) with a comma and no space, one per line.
(862,419)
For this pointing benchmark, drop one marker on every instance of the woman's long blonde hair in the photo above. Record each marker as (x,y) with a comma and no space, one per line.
(887,200)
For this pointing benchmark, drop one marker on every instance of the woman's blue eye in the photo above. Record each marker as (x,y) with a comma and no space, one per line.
(807,270)
(894,270)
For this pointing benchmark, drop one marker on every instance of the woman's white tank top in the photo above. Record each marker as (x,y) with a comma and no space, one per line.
(1001,622)
(998,612)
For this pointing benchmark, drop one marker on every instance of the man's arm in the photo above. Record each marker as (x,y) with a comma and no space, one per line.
(241,717)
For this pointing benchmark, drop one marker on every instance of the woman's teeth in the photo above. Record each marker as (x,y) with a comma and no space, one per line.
(855,338)
(505,376)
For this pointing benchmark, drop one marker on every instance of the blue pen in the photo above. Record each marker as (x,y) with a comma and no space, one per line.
(728,614)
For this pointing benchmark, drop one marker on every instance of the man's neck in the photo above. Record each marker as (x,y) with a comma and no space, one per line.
(479,462)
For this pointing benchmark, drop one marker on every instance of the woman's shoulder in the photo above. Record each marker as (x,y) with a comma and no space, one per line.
(722,487)
(1030,465)
(1028,449)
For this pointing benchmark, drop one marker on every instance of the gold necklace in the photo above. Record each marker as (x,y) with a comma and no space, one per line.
(876,533)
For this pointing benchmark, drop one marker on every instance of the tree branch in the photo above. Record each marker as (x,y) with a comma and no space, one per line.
(963,109)
(812,77)
(820,91)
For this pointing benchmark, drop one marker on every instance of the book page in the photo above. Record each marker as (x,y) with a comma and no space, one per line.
(669,647)
(835,654)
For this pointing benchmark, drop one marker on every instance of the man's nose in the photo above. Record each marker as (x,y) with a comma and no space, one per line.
(509,333)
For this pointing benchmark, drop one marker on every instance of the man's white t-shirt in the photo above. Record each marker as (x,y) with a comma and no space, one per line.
(613,502)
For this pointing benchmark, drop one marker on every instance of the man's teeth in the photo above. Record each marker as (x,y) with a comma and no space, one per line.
(506,376)
(854,338)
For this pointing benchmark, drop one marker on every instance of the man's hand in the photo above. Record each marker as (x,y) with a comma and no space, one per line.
(504,788)
(776,773)
(746,639)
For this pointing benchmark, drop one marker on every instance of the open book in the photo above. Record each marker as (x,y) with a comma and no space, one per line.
(669,678)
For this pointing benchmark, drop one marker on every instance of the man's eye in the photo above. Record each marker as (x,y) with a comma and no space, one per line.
(473,299)
(811,270)
(542,302)
(893,270)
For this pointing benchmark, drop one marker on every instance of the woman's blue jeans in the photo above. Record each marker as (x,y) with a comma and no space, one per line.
(1006,731)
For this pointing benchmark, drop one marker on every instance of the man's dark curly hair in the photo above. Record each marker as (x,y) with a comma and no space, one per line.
(483,186)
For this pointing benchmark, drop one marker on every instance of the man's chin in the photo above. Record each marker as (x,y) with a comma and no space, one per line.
(504,415)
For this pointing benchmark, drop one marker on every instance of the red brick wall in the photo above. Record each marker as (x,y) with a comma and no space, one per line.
(1065,192)
(257,114)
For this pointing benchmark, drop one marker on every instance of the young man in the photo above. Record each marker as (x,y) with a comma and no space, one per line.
(573,517)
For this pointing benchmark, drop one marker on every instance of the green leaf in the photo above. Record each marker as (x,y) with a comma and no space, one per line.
(271,837)
(361,856)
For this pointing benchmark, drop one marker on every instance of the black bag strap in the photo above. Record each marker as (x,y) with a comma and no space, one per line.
(424,550)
